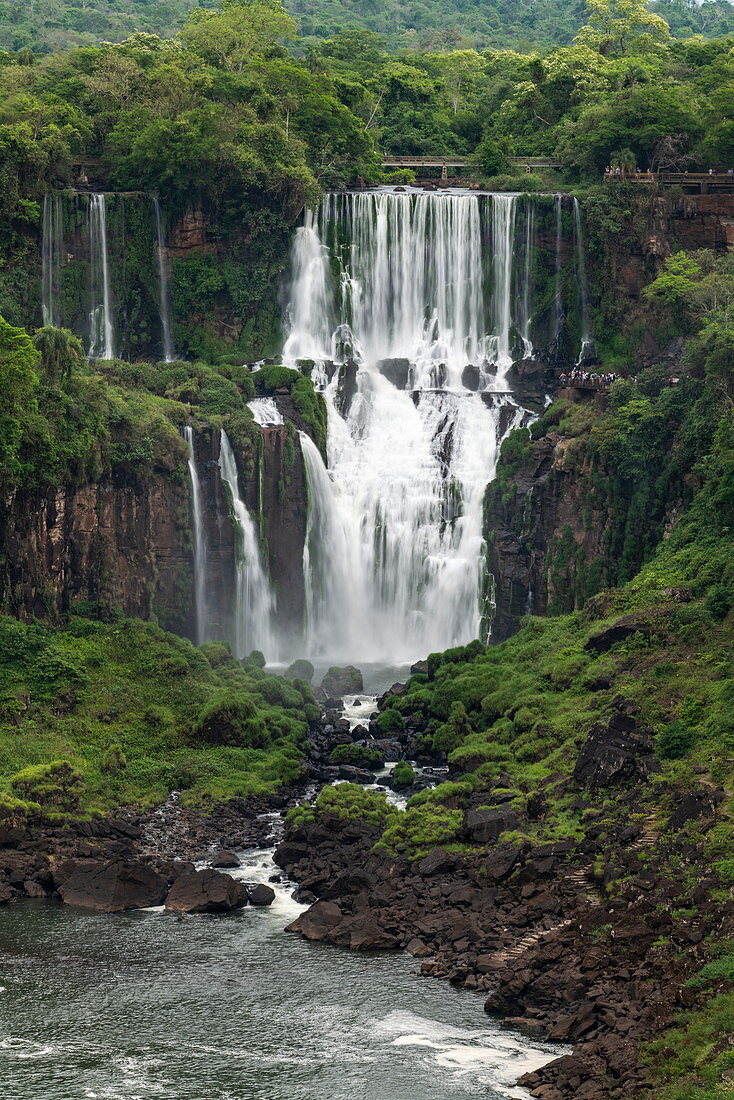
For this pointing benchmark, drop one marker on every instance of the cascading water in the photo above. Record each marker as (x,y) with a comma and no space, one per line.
(587,342)
(526,286)
(394,561)
(52,247)
(558,297)
(199,540)
(163,287)
(101,334)
(254,601)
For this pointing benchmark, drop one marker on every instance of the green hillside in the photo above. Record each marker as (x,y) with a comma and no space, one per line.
(50,25)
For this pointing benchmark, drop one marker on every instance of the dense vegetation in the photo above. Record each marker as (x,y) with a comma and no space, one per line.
(98,714)
(48,25)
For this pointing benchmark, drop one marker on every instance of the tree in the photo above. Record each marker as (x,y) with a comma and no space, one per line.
(18,381)
(620,28)
(241,31)
(61,352)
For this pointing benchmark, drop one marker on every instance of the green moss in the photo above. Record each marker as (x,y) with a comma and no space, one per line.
(358,755)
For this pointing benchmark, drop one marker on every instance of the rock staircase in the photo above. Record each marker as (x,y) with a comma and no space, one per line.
(650,833)
(532,939)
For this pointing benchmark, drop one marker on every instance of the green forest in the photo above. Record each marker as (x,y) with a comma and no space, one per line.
(48,25)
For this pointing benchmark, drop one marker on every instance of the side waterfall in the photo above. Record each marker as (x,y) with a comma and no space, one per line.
(101,335)
(199,538)
(422,300)
(52,247)
(587,343)
(163,288)
(254,600)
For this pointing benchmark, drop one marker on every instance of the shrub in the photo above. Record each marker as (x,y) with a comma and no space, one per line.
(345,801)
(453,732)
(390,721)
(53,786)
(231,718)
(358,755)
(403,776)
(300,670)
(421,828)
(114,760)
(675,741)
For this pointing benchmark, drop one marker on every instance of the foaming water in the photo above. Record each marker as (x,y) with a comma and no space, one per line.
(408,306)
(153,1006)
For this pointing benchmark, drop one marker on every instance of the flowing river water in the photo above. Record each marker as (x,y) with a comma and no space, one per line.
(152,1006)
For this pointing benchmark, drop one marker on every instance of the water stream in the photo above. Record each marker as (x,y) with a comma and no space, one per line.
(101,332)
(198,533)
(254,600)
(164,294)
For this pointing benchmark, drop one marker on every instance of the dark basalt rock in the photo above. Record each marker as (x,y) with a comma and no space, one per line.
(618,753)
(470,377)
(225,860)
(316,923)
(396,371)
(259,894)
(436,862)
(113,887)
(697,804)
(620,631)
(339,682)
(502,861)
(485,825)
(206,891)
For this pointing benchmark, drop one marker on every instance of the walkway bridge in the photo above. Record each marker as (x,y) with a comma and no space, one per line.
(702,182)
(458,161)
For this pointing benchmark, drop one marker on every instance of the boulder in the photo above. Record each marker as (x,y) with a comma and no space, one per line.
(396,371)
(318,921)
(259,894)
(114,886)
(502,861)
(436,862)
(339,682)
(485,825)
(617,753)
(33,889)
(206,891)
(225,860)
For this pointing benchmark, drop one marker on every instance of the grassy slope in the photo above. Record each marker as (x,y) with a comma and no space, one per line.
(88,691)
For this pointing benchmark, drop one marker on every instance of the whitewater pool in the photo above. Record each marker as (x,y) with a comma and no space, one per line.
(148,1005)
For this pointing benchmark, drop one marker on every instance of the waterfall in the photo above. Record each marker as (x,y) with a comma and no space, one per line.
(101,336)
(163,287)
(394,562)
(254,601)
(199,537)
(587,344)
(526,288)
(503,236)
(558,299)
(52,247)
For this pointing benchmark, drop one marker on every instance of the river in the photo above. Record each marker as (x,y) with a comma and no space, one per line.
(152,1006)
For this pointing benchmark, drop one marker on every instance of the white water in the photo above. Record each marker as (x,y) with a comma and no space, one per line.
(254,600)
(164,296)
(526,289)
(394,562)
(199,538)
(587,343)
(265,412)
(101,334)
(52,246)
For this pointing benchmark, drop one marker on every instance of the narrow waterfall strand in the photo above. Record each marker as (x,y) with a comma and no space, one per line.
(254,601)
(163,286)
(199,540)
(587,343)
(101,335)
(52,245)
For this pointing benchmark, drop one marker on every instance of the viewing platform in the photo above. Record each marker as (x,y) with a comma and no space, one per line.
(454,160)
(702,182)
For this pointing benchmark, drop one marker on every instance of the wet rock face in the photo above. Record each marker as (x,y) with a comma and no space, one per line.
(118,542)
(114,887)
